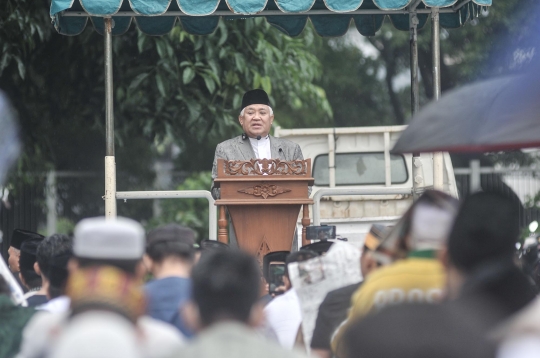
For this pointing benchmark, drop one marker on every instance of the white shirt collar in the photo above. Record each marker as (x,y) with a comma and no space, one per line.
(261,147)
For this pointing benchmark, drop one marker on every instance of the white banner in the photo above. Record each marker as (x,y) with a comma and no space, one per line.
(314,278)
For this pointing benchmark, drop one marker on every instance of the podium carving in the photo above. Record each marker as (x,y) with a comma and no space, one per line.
(263,197)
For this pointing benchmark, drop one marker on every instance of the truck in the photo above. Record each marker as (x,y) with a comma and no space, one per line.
(359,157)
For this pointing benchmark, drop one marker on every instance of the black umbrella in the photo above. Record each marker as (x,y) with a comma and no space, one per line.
(493,115)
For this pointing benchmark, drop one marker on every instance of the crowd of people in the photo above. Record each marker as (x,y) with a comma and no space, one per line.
(445,281)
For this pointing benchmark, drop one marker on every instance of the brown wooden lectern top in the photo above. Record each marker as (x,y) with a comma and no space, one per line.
(263,197)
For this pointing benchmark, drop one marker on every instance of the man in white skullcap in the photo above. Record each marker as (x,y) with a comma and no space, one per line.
(416,276)
(105,274)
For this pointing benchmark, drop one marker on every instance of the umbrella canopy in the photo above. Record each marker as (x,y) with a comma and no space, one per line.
(201,17)
(494,115)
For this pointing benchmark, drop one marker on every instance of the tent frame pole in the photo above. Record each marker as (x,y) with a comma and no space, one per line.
(415,88)
(438,161)
(418,178)
(110,165)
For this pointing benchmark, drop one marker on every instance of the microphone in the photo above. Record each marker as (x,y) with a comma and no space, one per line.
(258,137)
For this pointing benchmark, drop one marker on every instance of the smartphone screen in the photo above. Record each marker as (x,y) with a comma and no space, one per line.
(276,270)
(321,233)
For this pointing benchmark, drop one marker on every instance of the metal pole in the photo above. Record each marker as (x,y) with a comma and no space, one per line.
(474,180)
(418,174)
(387,166)
(110,165)
(331,161)
(51,199)
(179,194)
(438,163)
(413,29)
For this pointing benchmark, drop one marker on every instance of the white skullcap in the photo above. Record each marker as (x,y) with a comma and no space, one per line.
(97,334)
(430,227)
(100,238)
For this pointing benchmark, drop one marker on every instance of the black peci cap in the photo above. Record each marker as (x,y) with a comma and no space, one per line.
(256,96)
(19,236)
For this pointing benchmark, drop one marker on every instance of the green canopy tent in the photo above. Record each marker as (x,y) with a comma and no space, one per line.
(201,17)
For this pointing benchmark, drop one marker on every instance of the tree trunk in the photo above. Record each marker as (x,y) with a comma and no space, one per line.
(389,57)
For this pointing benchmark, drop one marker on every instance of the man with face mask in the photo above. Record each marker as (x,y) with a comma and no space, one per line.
(256,119)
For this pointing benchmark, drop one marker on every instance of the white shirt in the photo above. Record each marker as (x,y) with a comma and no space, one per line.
(283,315)
(261,147)
(523,346)
(59,304)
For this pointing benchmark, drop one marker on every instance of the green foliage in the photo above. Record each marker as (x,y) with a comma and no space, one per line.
(179,86)
(187,89)
(65,226)
(192,86)
(361,85)
(352,83)
(189,212)
(22,27)
(533,202)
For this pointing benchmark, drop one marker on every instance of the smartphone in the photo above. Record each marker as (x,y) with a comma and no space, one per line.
(321,233)
(276,270)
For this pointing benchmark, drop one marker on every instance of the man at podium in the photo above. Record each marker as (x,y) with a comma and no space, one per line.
(256,119)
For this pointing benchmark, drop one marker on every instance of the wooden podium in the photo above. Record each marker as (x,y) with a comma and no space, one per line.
(263,197)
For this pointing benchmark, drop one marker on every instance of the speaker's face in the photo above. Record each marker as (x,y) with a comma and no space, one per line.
(256,120)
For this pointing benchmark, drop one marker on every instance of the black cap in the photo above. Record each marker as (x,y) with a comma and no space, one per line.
(256,96)
(28,254)
(19,236)
(172,233)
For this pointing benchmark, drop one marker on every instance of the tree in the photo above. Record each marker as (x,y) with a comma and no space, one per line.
(361,86)
(177,86)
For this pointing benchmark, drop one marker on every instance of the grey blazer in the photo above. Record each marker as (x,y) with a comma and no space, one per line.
(240,149)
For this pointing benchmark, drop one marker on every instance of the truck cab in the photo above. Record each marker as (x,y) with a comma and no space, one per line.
(359,157)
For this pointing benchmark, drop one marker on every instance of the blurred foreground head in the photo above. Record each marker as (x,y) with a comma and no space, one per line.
(52,256)
(105,288)
(98,335)
(170,241)
(425,226)
(106,270)
(170,248)
(226,287)
(486,230)
(417,331)
(481,254)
